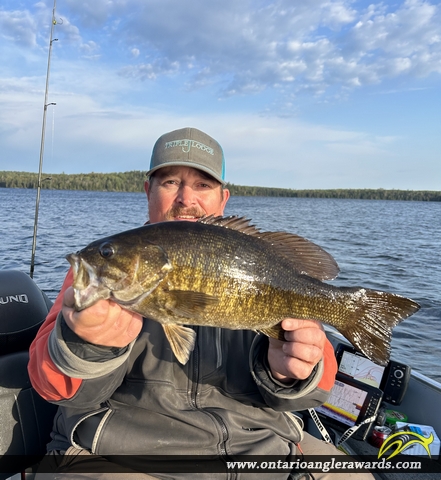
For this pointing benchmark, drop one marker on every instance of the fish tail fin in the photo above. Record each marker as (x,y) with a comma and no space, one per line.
(370,323)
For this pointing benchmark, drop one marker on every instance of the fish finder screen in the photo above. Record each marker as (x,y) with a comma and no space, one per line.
(344,404)
(361,368)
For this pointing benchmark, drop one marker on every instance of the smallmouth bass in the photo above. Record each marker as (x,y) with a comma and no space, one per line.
(224,272)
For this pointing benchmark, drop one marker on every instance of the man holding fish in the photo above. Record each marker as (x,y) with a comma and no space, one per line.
(133,391)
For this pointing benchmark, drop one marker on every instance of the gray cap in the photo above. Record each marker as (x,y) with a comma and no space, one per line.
(189,147)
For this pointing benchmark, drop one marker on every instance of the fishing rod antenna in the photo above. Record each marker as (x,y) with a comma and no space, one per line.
(43,129)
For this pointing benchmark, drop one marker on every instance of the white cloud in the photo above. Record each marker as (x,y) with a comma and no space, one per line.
(151,71)
(247,47)
(408,41)
(90,14)
(90,48)
(18,27)
(284,45)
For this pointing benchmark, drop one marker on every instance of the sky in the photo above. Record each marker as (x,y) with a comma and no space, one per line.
(312,94)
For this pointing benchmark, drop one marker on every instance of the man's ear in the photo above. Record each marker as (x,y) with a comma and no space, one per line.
(226,195)
(147,188)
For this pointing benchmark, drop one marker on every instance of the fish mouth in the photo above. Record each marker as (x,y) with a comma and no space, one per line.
(87,288)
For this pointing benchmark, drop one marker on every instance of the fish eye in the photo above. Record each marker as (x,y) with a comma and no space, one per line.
(106,250)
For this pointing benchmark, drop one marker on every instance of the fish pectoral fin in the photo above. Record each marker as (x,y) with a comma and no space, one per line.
(188,304)
(181,339)
(276,331)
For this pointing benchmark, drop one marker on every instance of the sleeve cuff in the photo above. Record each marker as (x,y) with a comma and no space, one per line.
(263,377)
(86,350)
(73,365)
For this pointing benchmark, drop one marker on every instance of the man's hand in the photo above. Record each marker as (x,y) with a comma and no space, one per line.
(104,323)
(303,349)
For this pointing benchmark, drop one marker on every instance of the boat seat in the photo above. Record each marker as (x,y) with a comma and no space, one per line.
(25,418)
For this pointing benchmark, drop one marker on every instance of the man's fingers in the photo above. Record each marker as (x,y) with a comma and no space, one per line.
(103,323)
(305,352)
(308,336)
(300,352)
(290,324)
(296,368)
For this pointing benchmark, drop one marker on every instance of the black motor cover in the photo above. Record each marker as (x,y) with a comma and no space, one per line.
(23,308)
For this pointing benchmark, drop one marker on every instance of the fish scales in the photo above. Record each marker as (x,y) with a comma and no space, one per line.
(253,293)
(223,272)
(241,279)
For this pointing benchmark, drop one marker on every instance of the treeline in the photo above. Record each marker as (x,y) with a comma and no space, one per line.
(110,182)
(364,194)
(134,182)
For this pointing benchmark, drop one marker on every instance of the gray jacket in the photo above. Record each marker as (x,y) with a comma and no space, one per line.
(141,401)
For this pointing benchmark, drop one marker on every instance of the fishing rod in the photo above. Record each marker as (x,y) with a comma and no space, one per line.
(43,130)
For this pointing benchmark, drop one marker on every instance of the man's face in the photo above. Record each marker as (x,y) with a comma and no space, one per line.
(184,193)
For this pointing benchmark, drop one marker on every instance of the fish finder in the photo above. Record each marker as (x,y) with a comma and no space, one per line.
(360,387)
(350,403)
(356,365)
(391,379)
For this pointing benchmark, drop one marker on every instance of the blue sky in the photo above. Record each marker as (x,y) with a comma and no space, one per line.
(300,94)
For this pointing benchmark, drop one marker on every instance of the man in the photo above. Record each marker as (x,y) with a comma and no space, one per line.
(122,392)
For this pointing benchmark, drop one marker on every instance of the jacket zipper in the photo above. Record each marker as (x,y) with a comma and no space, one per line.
(218,347)
(195,376)
(194,393)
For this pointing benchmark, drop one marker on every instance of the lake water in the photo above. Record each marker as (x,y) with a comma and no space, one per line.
(387,245)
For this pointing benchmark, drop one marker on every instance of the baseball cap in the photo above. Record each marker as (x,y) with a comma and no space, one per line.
(189,147)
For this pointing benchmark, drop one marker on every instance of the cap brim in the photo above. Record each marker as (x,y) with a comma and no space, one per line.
(187,164)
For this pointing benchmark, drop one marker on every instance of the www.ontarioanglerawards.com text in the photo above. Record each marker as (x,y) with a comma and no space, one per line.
(333,464)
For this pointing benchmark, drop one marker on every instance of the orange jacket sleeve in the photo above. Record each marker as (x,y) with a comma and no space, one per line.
(330,368)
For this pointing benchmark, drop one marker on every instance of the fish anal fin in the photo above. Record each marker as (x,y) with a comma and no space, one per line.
(276,331)
(181,339)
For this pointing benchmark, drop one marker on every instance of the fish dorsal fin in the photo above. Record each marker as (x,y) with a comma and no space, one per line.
(241,224)
(305,256)
(181,339)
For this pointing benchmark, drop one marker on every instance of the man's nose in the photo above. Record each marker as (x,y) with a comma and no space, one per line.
(186,195)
